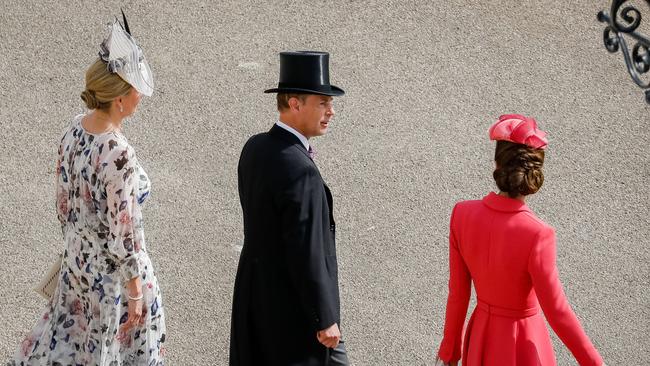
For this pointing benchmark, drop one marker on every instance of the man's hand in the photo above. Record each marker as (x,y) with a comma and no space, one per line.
(329,337)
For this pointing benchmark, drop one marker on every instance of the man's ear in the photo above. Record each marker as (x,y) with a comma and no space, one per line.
(294,104)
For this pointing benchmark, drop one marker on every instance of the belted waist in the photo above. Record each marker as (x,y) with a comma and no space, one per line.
(510,313)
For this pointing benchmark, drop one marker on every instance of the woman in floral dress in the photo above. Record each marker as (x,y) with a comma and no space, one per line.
(107,307)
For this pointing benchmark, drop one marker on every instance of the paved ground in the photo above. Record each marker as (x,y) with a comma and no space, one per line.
(424,81)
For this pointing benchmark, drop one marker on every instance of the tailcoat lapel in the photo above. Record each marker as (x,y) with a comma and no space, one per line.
(283,134)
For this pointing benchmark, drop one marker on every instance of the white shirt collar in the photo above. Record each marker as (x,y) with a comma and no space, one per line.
(302,138)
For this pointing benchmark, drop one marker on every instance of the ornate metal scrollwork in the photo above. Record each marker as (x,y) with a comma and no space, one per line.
(625,20)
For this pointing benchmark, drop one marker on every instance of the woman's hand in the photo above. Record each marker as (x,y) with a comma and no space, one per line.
(136,311)
(135,317)
(442,363)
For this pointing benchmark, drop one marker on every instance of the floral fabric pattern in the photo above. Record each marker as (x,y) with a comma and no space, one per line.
(100,190)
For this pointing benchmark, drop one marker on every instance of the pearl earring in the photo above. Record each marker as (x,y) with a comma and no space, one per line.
(121,110)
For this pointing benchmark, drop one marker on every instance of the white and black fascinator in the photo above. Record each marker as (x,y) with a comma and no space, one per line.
(125,58)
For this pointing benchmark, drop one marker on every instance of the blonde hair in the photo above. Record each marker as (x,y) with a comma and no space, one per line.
(102,86)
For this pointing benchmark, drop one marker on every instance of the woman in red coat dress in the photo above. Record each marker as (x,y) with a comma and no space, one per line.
(509,254)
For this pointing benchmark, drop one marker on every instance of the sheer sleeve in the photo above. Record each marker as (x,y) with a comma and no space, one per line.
(60,177)
(123,211)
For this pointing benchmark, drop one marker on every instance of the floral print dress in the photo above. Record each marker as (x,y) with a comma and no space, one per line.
(100,188)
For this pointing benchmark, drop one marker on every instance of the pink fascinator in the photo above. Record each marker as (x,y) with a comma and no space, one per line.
(518,129)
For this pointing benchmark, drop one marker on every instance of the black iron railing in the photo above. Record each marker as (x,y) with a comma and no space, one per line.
(625,20)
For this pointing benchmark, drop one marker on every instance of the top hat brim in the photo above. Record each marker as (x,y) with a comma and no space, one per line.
(334,91)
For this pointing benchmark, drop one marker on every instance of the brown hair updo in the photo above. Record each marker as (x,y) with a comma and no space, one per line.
(102,86)
(519,168)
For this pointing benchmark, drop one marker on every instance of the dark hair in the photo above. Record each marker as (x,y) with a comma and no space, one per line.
(283,99)
(519,168)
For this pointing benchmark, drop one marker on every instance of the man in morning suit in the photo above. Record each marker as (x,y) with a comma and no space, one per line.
(286,308)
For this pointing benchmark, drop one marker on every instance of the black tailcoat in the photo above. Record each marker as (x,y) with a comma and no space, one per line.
(287,281)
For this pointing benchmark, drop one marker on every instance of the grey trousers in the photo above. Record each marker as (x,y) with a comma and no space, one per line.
(337,356)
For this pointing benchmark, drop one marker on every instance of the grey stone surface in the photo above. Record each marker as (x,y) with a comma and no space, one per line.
(424,81)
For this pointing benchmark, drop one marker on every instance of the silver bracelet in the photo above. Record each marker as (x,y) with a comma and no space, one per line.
(136,298)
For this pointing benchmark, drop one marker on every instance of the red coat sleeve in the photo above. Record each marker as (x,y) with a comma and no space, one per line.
(558,312)
(457,301)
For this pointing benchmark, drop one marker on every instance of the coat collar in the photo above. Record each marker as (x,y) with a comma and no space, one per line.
(505,204)
(283,134)
(303,139)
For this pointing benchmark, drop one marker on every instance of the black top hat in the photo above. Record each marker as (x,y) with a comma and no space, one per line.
(305,72)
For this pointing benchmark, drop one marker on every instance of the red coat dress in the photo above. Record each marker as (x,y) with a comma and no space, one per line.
(509,254)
